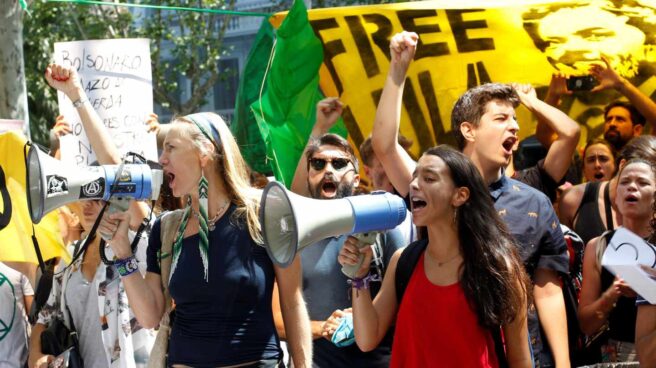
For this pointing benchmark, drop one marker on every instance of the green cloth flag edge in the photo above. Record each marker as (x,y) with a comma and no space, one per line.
(286,112)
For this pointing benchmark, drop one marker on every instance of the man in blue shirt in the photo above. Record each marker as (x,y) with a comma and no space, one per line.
(485,127)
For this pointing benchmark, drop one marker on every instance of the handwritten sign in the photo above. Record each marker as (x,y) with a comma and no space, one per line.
(629,256)
(117,79)
(7,125)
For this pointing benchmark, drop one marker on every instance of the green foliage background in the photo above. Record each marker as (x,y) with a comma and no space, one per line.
(183,43)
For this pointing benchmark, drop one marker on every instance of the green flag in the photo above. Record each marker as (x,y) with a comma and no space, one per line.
(243,125)
(286,112)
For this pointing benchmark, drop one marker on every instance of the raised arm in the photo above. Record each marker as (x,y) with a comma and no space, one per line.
(559,156)
(608,78)
(544,133)
(397,163)
(328,112)
(67,81)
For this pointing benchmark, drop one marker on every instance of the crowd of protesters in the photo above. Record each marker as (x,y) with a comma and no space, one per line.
(476,277)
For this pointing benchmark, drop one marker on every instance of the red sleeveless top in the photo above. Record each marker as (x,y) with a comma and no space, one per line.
(436,327)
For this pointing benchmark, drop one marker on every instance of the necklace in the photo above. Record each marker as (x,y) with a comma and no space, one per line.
(211,222)
(442,263)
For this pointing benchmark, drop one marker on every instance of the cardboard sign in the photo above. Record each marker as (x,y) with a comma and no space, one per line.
(117,79)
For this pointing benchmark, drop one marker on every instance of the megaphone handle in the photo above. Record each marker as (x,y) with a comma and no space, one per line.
(366,239)
(115,205)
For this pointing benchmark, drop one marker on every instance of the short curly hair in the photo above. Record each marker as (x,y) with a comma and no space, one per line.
(472,104)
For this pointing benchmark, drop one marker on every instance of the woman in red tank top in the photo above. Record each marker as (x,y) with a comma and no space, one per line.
(467,285)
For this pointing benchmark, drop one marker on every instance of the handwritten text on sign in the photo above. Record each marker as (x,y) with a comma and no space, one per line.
(117,79)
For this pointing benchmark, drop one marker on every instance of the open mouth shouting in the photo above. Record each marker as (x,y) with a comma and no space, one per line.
(631,199)
(599,175)
(508,145)
(417,204)
(171,178)
(328,187)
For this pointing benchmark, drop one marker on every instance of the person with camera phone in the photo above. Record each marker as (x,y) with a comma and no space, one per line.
(581,83)
(88,307)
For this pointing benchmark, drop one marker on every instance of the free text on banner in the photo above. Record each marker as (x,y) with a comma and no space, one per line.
(117,79)
(463,44)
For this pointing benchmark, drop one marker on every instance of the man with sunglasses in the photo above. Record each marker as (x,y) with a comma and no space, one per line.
(328,170)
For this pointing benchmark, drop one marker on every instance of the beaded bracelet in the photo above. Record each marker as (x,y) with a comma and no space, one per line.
(126,266)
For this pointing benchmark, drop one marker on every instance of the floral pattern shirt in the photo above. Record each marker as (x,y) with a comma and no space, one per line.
(126,344)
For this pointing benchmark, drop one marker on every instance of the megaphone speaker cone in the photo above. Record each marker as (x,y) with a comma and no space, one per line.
(278,223)
(291,222)
(34,180)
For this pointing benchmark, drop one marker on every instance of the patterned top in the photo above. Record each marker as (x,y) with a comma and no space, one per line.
(532,221)
(126,344)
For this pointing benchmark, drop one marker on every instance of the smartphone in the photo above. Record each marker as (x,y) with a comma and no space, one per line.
(582,83)
(61,360)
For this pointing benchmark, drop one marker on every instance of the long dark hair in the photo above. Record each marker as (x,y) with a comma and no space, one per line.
(491,268)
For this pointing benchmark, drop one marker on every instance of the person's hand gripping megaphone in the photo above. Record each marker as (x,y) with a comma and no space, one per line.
(356,254)
(117,224)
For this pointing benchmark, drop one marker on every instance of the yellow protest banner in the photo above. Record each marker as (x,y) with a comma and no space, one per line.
(463,44)
(15,222)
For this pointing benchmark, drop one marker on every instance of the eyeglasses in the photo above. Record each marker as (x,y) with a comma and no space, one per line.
(338,164)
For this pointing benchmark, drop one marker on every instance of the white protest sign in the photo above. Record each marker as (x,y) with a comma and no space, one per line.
(117,79)
(7,125)
(626,256)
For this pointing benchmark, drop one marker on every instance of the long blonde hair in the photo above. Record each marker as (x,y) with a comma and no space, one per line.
(232,169)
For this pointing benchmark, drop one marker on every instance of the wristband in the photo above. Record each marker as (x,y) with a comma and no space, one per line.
(127,266)
(362,283)
(79,102)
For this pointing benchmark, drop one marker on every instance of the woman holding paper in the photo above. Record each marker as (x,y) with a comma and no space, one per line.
(607,304)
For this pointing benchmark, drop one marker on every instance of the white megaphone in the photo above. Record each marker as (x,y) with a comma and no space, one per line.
(52,184)
(291,222)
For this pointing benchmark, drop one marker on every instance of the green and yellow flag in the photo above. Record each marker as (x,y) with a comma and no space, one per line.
(286,111)
(461,45)
(470,42)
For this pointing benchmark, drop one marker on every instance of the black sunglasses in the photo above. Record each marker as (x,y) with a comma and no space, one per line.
(338,164)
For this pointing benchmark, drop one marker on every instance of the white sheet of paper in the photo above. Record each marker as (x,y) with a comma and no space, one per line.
(117,78)
(625,253)
(69,145)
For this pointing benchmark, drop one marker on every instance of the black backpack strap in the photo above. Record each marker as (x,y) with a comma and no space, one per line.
(76,246)
(406,265)
(609,208)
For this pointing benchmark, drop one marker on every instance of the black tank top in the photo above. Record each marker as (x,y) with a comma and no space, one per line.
(587,219)
(622,319)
